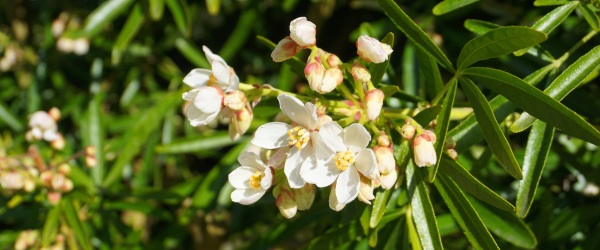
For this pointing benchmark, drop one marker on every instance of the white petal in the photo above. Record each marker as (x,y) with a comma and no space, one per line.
(311,112)
(347,185)
(322,151)
(251,159)
(50,135)
(197,77)
(293,164)
(272,135)
(197,117)
(239,177)
(190,95)
(208,99)
(267,180)
(333,201)
(366,162)
(221,72)
(246,196)
(211,56)
(332,134)
(293,108)
(356,137)
(321,174)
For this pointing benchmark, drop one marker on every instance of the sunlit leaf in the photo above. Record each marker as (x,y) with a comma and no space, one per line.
(422,210)
(450,5)
(441,129)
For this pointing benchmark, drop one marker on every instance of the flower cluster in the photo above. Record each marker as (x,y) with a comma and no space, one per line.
(306,148)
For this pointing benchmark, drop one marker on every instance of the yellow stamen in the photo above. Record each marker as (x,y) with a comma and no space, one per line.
(299,137)
(343,160)
(255,179)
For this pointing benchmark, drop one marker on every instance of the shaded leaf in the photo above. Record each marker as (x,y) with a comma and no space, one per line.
(379,207)
(446,6)
(157,8)
(422,210)
(191,53)
(590,16)
(490,128)
(179,15)
(430,73)
(130,29)
(550,2)
(237,38)
(102,16)
(197,143)
(79,230)
(441,129)
(9,119)
(424,117)
(480,27)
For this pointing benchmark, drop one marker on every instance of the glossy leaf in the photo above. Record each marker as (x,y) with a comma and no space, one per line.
(379,207)
(424,117)
(497,42)
(550,2)
(441,129)
(377,70)
(464,214)
(137,136)
(103,16)
(535,102)
(480,27)
(490,128)
(430,73)
(51,226)
(196,143)
(157,8)
(451,5)
(79,230)
(472,185)
(132,26)
(566,82)
(505,225)
(422,210)
(409,83)
(179,15)
(413,32)
(550,21)
(590,16)
(536,152)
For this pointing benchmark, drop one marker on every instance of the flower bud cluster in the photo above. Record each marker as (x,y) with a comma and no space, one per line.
(64,22)
(323,72)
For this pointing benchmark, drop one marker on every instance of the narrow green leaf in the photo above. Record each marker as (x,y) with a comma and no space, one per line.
(409,81)
(72,217)
(379,205)
(295,62)
(450,5)
(213,7)
(237,38)
(336,237)
(196,143)
(566,82)
(533,101)
(550,21)
(422,210)
(424,117)
(550,2)
(130,29)
(431,78)
(9,119)
(414,237)
(590,16)
(490,128)
(192,53)
(441,130)
(480,27)
(50,226)
(538,146)
(137,136)
(179,15)
(468,131)
(506,225)
(414,33)
(464,214)
(378,69)
(393,90)
(157,8)
(497,42)
(95,137)
(471,185)
(102,16)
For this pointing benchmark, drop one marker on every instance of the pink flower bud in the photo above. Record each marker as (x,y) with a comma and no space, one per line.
(305,196)
(360,73)
(333,77)
(374,102)
(408,131)
(424,151)
(58,181)
(67,186)
(333,61)
(12,181)
(59,142)
(387,166)
(235,100)
(285,49)
(54,112)
(53,197)
(286,204)
(452,153)
(314,73)
(372,50)
(303,32)
(240,122)
(383,140)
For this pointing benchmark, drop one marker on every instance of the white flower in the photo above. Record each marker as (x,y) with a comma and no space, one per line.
(387,166)
(372,50)
(206,104)
(251,180)
(303,32)
(374,102)
(285,49)
(220,75)
(42,126)
(298,137)
(424,151)
(346,156)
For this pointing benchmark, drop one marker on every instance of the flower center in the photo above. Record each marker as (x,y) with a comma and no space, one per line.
(343,160)
(298,137)
(255,179)
(212,80)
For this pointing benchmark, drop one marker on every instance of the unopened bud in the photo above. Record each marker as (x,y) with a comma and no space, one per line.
(333,61)
(333,77)
(81,46)
(54,112)
(303,32)
(314,73)
(29,186)
(90,161)
(286,204)
(67,186)
(59,142)
(235,100)
(365,191)
(285,49)
(374,102)
(360,73)
(305,196)
(450,143)
(58,181)
(408,131)
(240,122)
(372,50)
(424,151)
(383,140)
(46,177)
(64,169)
(452,153)
(53,197)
